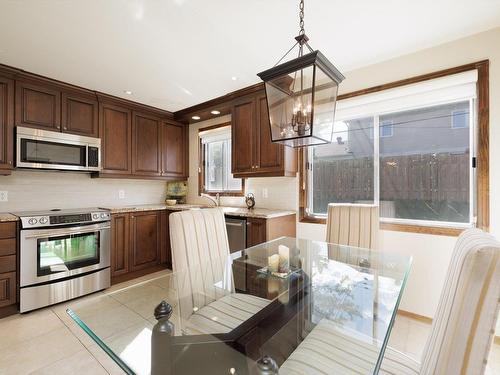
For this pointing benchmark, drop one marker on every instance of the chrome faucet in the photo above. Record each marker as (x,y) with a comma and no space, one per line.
(215,200)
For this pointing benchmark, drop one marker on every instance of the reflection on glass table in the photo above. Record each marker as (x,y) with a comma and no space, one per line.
(225,316)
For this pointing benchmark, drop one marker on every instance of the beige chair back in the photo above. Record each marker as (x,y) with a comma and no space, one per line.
(466,316)
(353,225)
(200,247)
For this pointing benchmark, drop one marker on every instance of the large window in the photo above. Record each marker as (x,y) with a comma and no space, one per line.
(215,163)
(411,150)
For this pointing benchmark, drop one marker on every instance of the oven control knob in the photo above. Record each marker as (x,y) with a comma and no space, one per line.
(95,216)
(32,221)
(43,220)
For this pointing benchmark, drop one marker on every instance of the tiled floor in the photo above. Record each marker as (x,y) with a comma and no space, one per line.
(47,341)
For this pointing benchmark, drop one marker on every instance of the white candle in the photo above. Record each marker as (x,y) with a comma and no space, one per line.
(273,263)
(284,258)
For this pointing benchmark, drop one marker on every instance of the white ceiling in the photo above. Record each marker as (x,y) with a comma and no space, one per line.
(176,53)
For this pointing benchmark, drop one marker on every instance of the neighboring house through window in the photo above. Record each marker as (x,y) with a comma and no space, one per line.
(459,119)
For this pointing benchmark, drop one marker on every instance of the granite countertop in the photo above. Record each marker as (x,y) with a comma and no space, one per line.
(230,211)
(152,207)
(5,217)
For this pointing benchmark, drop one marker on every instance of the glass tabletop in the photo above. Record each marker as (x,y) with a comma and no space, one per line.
(326,305)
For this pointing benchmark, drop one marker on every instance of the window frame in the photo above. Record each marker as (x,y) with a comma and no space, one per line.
(201,168)
(481,201)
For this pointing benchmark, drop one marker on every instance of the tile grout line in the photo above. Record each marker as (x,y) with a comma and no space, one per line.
(80,341)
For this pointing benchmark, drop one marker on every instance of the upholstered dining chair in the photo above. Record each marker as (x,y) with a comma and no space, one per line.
(461,335)
(353,225)
(200,249)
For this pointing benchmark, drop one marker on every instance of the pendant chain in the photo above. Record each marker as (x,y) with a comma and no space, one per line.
(301,18)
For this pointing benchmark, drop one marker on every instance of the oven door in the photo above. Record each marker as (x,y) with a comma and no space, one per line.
(52,254)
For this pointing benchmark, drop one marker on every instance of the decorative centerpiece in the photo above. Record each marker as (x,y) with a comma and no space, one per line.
(279,264)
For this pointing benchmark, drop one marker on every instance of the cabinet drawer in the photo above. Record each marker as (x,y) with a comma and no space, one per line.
(8,230)
(7,289)
(7,246)
(7,263)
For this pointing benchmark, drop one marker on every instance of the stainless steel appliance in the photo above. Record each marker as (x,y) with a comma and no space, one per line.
(63,254)
(42,149)
(236,233)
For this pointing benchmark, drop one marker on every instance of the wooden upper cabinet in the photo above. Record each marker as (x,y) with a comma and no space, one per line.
(115,129)
(268,155)
(38,106)
(253,153)
(145,239)
(6,125)
(80,115)
(146,153)
(242,133)
(173,147)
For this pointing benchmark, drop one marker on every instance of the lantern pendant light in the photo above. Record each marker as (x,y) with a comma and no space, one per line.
(301,95)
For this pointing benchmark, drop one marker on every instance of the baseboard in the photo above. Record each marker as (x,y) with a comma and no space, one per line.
(428,320)
(411,315)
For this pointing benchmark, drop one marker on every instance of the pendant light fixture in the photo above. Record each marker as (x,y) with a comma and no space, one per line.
(301,95)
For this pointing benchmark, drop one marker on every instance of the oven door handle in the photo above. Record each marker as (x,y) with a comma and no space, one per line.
(67,231)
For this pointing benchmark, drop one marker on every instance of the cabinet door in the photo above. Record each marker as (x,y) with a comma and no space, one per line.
(173,150)
(145,239)
(256,231)
(120,237)
(116,139)
(146,145)
(242,125)
(269,156)
(80,115)
(38,106)
(7,289)
(6,124)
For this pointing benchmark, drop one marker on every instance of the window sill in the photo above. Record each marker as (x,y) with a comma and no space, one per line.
(422,229)
(225,193)
(398,227)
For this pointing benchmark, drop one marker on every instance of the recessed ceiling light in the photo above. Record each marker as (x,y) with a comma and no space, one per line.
(128,92)
(196,117)
(215,112)
(234,78)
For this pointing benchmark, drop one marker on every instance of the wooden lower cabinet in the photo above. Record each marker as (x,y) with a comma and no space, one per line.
(260,230)
(145,239)
(7,289)
(8,269)
(120,236)
(139,244)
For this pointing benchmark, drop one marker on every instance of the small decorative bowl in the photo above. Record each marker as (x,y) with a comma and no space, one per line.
(170,202)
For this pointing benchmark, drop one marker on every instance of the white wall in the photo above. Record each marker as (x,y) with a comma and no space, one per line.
(30,190)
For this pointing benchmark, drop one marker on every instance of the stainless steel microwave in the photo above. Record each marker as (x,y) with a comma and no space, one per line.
(42,149)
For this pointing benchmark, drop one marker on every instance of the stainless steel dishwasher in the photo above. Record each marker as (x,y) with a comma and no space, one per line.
(236,233)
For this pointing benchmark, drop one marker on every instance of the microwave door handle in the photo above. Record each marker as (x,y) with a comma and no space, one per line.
(63,232)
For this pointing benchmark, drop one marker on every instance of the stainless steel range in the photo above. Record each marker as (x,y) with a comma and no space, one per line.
(63,254)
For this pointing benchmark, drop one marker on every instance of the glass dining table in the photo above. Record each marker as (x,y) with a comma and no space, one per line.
(332,307)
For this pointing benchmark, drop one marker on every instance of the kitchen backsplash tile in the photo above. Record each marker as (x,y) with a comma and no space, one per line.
(33,190)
